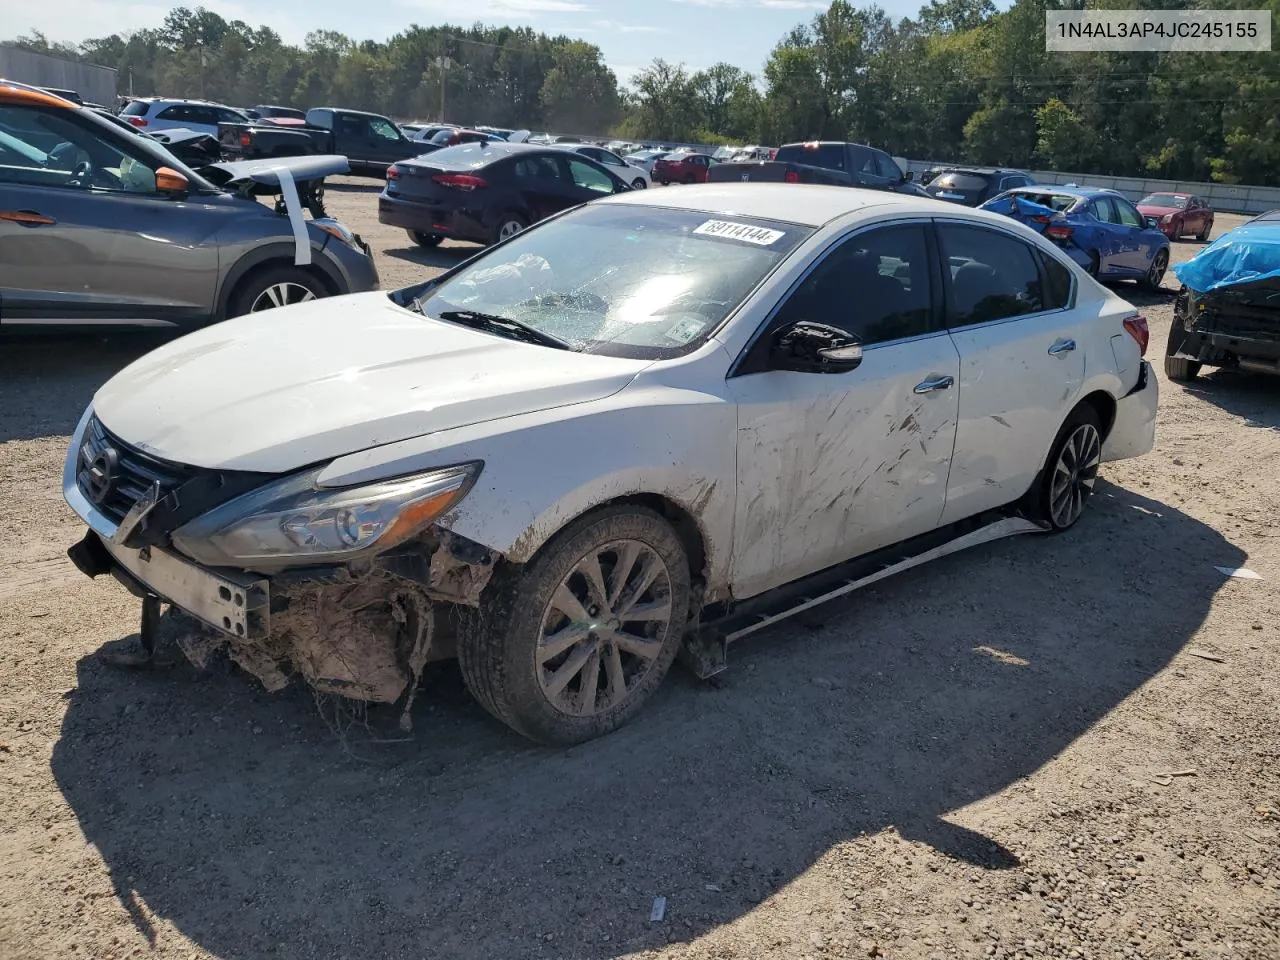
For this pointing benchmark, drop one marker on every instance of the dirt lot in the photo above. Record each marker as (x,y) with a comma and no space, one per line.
(1045,748)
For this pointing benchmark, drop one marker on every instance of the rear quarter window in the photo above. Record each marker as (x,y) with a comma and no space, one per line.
(1057,291)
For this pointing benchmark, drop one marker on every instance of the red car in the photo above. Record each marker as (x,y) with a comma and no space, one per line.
(1178,214)
(682,168)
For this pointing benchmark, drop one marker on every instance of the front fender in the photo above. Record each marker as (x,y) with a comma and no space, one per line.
(542,470)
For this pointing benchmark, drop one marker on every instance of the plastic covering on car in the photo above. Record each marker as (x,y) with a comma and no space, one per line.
(1017,206)
(1245,255)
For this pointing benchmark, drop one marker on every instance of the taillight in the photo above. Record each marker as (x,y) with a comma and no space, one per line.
(393,172)
(460,181)
(1136,326)
(791,177)
(137,121)
(1058,231)
(245,140)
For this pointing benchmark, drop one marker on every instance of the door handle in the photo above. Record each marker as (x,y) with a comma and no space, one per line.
(934,383)
(26,218)
(1061,347)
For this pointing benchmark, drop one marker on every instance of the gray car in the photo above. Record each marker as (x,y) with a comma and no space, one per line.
(100,226)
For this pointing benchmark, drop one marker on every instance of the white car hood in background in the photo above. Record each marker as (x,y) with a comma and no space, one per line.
(283,389)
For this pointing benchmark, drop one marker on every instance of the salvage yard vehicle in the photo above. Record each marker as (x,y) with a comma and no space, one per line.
(102,226)
(828,162)
(487,192)
(644,428)
(369,141)
(1179,214)
(974,186)
(1228,310)
(1099,229)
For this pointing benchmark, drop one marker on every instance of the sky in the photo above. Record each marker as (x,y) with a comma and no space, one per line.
(631,33)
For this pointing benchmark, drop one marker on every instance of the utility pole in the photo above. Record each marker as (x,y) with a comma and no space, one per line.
(442,63)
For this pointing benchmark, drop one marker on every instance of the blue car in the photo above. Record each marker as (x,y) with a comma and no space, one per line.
(1099,229)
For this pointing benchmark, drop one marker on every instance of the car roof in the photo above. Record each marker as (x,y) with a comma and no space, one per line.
(21,94)
(805,204)
(985,171)
(1268,216)
(1082,192)
(488,151)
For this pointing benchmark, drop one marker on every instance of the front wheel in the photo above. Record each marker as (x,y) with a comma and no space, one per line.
(1057,500)
(278,287)
(1178,368)
(569,646)
(1155,273)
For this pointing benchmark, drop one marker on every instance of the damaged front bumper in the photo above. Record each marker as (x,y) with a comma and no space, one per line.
(1234,326)
(363,629)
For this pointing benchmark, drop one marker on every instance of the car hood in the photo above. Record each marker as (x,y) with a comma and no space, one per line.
(283,389)
(1149,211)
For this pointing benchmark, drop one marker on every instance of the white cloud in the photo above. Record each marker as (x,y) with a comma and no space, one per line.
(625,72)
(613,26)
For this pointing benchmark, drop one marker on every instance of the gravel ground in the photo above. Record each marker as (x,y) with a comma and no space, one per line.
(1044,748)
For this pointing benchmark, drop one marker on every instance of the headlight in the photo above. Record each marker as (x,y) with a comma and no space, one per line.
(1167,218)
(294,521)
(340,232)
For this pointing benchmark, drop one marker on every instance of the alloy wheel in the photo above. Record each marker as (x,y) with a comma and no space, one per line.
(1158,266)
(509,229)
(604,628)
(281,295)
(1074,475)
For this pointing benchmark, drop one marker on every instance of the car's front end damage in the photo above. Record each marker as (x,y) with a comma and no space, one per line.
(348,588)
(1233,326)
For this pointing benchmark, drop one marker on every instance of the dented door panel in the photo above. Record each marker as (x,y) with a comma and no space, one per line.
(1014,394)
(831,466)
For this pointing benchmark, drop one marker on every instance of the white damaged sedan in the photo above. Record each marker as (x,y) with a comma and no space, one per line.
(643,428)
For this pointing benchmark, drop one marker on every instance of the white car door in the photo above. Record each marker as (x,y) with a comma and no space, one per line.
(1021,361)
(835,465)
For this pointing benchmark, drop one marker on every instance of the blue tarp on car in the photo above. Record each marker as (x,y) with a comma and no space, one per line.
(1245,255)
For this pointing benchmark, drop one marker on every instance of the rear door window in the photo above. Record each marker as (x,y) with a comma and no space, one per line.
(1057,292)
(992,276)
(537,168)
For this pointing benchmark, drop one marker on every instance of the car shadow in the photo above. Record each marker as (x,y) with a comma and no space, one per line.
(254,827)
(1142,298)
(444,257)
(1254,397)
(47,380)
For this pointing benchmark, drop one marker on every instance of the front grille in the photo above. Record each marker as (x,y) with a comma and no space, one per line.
(131,475)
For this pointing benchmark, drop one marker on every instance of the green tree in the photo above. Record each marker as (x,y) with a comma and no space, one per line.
(580,93)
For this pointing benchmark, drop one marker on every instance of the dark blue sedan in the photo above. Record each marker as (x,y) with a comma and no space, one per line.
(1099,229)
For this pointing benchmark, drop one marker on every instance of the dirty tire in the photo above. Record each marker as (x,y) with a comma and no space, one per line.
(1178,368)
(292,283)
(1203,235)
(1039,502)
(424,239)
(498,643)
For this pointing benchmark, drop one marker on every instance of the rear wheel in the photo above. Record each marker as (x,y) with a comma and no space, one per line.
(424,239)
(570,645)
(1057,500)
(1203,235)
(1155,273)
(508,225)
(277,287)
(638,184)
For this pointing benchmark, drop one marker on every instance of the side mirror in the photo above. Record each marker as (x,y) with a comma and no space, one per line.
(808,347)
(1152,223)
(909,175)
(171,182)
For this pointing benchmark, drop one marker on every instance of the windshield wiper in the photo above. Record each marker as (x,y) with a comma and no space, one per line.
(521,331)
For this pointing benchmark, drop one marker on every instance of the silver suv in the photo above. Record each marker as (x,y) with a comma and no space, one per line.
(150,114)
(101,226)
